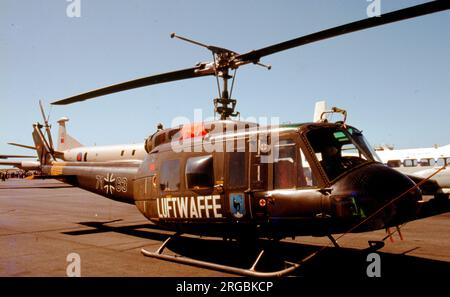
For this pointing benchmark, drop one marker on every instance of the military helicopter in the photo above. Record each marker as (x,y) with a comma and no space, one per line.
(234,179)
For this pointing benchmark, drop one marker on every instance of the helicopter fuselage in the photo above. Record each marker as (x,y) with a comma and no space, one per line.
(259,181)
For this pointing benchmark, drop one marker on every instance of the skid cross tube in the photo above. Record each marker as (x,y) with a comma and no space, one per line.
(225,268)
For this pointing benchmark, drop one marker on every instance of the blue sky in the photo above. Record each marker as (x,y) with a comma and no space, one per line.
(393,80)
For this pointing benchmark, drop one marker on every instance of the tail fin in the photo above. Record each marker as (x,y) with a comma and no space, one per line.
(65,141)
(43,149)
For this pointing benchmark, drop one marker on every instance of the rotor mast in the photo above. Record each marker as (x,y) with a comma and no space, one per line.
(224,105)
(221,65)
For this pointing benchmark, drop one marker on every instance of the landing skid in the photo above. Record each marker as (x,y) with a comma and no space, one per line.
(225,268)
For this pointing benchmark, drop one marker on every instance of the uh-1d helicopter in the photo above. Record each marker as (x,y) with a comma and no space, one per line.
(275,182)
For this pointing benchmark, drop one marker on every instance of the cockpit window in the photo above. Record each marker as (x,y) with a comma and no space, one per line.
(362,142)
(340,136)
(339,150)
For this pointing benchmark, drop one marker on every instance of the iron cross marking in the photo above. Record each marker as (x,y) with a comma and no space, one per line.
(109,183)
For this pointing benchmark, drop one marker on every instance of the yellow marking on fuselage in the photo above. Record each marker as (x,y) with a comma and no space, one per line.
(57,169)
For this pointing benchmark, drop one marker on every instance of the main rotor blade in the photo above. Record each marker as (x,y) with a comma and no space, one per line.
(398,15)
(137,83)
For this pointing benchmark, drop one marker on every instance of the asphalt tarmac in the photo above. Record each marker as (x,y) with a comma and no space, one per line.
(43,221)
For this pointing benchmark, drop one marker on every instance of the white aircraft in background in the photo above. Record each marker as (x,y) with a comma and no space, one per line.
(418,163)
(70,150)
(25,165)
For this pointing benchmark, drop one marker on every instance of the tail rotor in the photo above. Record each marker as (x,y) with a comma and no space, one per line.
(47,127)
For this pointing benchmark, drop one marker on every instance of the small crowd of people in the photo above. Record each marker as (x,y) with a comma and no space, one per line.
(4,175)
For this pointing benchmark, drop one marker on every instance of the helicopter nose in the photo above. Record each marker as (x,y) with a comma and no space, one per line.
(376,188)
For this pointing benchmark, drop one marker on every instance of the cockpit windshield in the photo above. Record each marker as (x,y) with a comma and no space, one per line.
(340,149)
(363,143)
